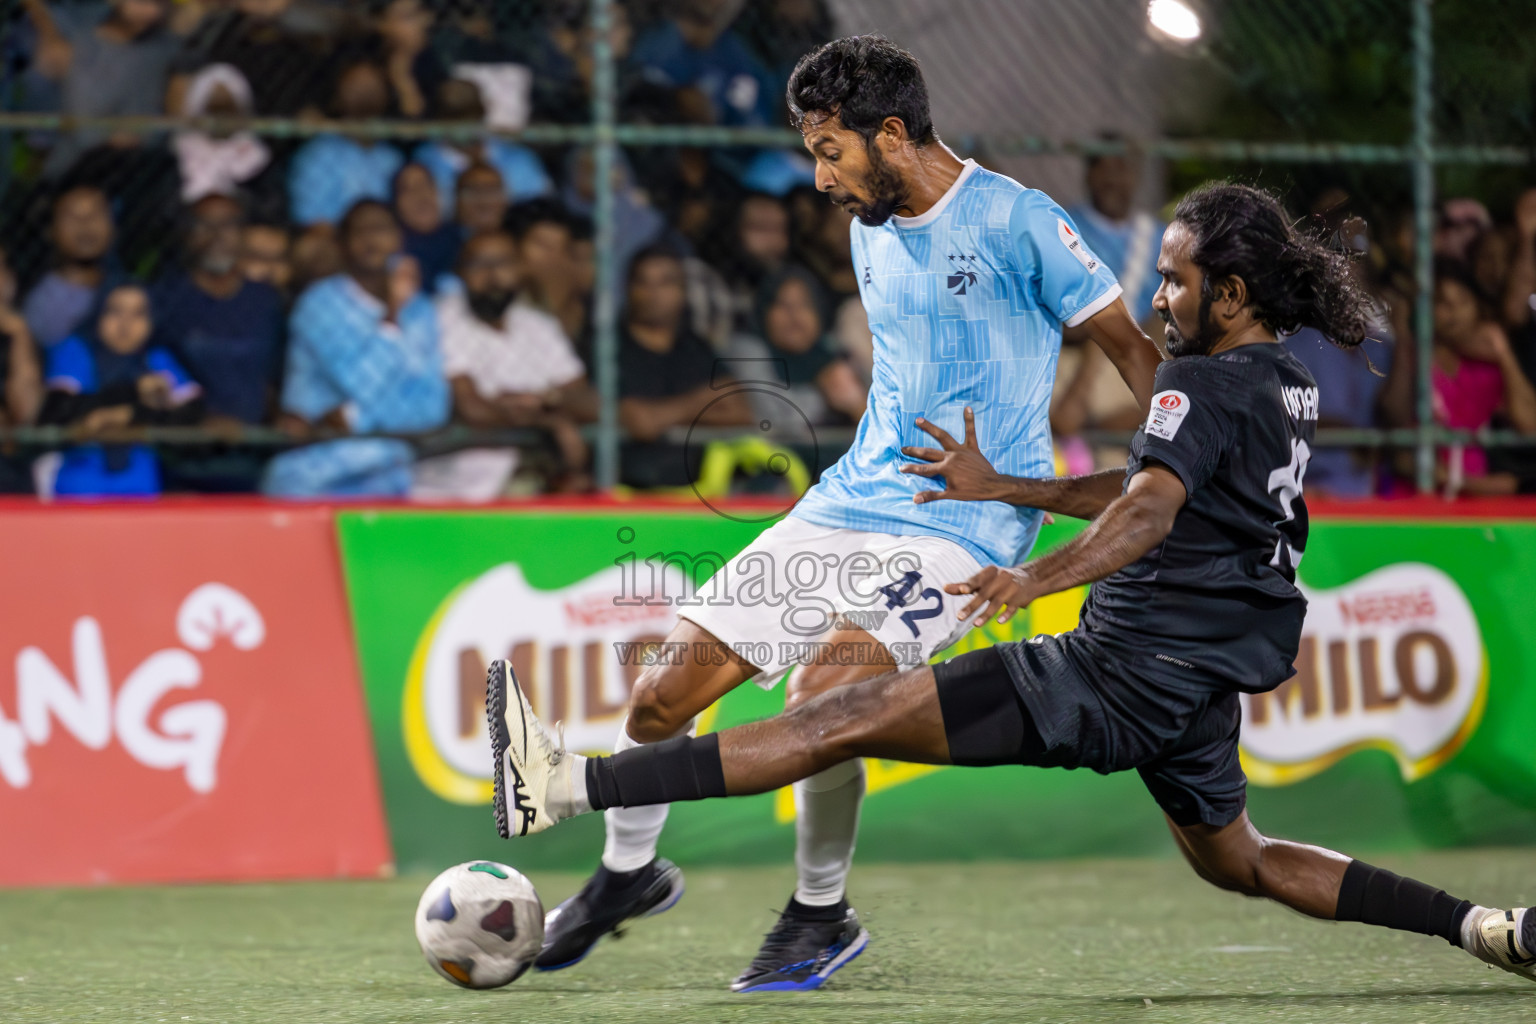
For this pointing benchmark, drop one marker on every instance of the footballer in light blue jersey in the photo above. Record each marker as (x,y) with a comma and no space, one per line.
(968,278)
(966,303)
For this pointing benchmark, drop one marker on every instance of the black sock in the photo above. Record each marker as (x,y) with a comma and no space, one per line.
(657,773)
(1377,896)
(831,912)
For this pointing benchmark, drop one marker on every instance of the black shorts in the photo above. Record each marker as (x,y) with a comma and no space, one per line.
(1061,702)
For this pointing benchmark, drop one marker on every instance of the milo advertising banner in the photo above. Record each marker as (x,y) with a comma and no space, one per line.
(1410,721)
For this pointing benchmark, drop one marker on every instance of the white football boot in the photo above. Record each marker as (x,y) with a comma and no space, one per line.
(1493,936)
(528,759)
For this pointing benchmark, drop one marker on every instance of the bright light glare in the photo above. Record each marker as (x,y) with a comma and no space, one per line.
(1174,18)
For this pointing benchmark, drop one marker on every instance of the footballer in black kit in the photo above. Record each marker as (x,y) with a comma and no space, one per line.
(1192,551)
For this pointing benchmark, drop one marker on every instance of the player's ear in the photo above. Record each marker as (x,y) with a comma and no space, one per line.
(893,133)
(1228,296)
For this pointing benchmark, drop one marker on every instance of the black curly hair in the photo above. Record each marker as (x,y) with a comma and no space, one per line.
(861,80)
(1294,279)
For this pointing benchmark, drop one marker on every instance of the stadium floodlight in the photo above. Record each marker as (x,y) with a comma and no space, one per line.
(1174,19)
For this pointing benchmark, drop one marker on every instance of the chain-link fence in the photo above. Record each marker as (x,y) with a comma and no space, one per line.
(469,248)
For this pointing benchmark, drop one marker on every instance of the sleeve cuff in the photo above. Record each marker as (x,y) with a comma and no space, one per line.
(1150,457)
(1106,297)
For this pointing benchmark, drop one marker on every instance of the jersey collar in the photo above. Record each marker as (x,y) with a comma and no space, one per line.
(932,213)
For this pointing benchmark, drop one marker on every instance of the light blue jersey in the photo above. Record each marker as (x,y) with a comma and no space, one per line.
(966,303)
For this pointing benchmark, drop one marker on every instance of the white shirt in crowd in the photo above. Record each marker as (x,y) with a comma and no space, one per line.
(528,354)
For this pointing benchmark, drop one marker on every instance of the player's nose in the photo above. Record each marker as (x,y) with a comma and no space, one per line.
(824,179)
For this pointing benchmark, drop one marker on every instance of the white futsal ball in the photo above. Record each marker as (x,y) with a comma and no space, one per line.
(480,924)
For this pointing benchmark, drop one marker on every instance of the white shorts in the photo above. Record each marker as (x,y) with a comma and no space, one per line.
(776,603)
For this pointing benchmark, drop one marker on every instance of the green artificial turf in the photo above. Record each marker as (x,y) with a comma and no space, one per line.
(1031,941)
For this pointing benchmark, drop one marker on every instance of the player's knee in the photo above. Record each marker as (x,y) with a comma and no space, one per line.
(833,723)
(653,714)
(1233,866)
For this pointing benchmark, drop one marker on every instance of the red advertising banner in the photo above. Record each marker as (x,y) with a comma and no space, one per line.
(182,700)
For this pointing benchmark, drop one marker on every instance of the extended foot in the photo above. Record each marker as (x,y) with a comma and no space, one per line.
(1503,938)
(605,904)
(804,948)
(533,771)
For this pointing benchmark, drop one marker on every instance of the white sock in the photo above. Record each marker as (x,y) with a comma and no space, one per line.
(826,825)
(567,795)
(632,831)
(1469,929)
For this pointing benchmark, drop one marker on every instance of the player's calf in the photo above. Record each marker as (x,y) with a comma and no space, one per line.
(1325,884)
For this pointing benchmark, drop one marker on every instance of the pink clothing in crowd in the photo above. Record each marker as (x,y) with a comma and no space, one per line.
(1467,400)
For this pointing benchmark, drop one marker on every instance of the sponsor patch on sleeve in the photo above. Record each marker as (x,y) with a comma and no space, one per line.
(1074,243)
(1168,411)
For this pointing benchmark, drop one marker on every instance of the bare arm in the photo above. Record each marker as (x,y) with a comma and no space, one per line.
(54,52)
(1115,331)
(840,386)
(474,408)
(968,476)
(648,418)
(1519,396)
(1132,525)
(24,381)
(1515,308)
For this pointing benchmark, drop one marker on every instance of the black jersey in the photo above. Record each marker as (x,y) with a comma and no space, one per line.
(1216,604)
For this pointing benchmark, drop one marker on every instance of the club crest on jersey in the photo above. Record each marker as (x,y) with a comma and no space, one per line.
(964,275)
(1074,243)
(1168,411)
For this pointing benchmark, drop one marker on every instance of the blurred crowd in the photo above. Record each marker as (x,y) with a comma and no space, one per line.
(336,284)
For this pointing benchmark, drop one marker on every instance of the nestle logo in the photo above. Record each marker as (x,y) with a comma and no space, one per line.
(601,610)
(1387,606)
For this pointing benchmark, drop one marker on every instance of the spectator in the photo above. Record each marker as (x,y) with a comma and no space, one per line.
(823,240)
(21,380)
(113,66)
(758,248)
(81,233)
(363,357)
(667,374)
(1475,377)
(783,31)
(575,314)
(541,228)
(718,78)
(793,343)
(522,173)
(562,68)
(221,163)
(1519,316)
(104,379)
(510,365)
(1349,395)
(264,256)
(332,172)
(1126,239)
(636,222)
(225,329)
(1462,222)
(404,30)
(479,202)
(282,48)
(429,237)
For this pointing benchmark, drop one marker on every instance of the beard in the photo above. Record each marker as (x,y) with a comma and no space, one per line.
(887,192)
(491,306)
(1201,342)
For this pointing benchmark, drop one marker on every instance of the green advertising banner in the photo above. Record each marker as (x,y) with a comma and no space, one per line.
(1409,723)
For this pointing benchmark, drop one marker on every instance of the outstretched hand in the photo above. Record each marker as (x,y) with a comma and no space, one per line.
(996,589)
(968,476)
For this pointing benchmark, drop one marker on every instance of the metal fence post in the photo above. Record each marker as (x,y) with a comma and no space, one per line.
(1423,225)
(605,339)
